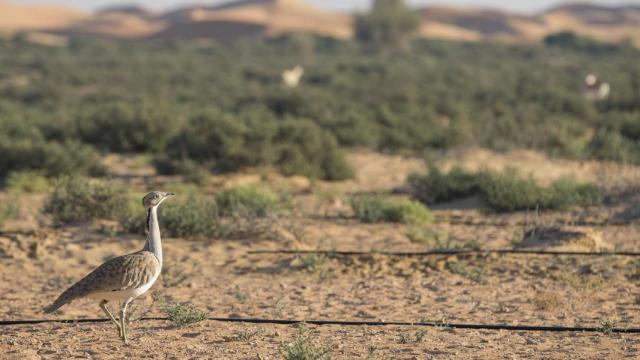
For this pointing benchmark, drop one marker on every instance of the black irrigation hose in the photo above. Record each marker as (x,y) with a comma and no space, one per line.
(525,223)
(446,252)
(436,324)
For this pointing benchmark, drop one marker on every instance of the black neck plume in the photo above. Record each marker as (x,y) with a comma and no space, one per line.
(148,220)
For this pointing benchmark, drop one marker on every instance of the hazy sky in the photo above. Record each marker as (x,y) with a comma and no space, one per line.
(523,6)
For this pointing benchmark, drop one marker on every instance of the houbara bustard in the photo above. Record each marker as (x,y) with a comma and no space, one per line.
(126,277)
(291,77)
(594,89)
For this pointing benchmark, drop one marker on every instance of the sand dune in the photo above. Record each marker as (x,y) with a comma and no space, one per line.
(603,23)
(15,17)
(276,17)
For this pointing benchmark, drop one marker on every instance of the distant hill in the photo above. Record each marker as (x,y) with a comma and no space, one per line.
(15,17)
(251,17)
(600,22)
(475,24)
(275,17)
(607,23)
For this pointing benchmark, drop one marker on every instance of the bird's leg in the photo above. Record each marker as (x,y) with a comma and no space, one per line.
(123,320)
(103,306)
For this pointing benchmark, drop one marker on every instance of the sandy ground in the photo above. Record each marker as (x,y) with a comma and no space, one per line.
(214,340)
(221,277)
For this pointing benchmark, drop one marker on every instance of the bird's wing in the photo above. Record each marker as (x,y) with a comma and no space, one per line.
(121,273)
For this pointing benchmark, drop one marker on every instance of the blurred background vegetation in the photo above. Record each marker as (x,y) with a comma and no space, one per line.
(201,108)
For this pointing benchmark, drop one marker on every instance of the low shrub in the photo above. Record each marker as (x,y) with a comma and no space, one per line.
(567,193)
(507,191)
(436,187)
(371,209)
(77,199)
(191,170)
(223,142)
(249,200)
(9,210)
(181,314)
(609,145)
(52,158)
(504,191)
(303,347)
(27,181)
(179,217)
(125,127)
(306,149)
(190,218)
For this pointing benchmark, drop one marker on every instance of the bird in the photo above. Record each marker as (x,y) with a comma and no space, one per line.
(126,277)
(595,89)
(291,77)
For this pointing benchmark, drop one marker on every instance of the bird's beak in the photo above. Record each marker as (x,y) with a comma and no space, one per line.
(170,194)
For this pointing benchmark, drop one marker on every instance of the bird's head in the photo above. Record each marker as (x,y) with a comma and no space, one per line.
(155,198)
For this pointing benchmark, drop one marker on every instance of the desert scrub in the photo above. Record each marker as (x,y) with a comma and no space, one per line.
(428,237)
(190,217)
(508,191)
(250,200)
(373,208)
(303,347)
(77,199)
(181,314)
(504,191)
(546,300)
(52,158)
(193,172)
(437,187)
(181,217)
(9,210)
(27,181)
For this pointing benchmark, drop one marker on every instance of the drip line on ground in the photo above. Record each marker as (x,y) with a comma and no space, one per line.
(434,324)
(443,252)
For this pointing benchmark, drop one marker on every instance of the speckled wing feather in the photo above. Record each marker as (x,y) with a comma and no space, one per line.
(120,273)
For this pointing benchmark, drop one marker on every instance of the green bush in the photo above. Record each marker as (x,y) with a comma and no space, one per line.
(52,158)
(191,170)
(407,212)
(124,127)
(502,191)
(372,209)
(226,143)
(60,107)
(190,218)
(76,199)
(306,149)
(27,181)
(181,314)
(9,210)
(437,187)
(249,200)
(508,191)
(610,145)
(568,193)
(303,347)
(179,217)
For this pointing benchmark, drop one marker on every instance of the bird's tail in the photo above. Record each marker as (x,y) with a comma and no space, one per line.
(61,301)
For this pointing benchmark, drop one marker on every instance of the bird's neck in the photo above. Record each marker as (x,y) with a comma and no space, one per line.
(153,244)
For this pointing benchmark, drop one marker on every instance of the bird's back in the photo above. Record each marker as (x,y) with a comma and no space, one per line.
(122,273)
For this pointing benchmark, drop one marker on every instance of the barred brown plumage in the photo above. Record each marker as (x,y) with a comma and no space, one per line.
(126,277)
